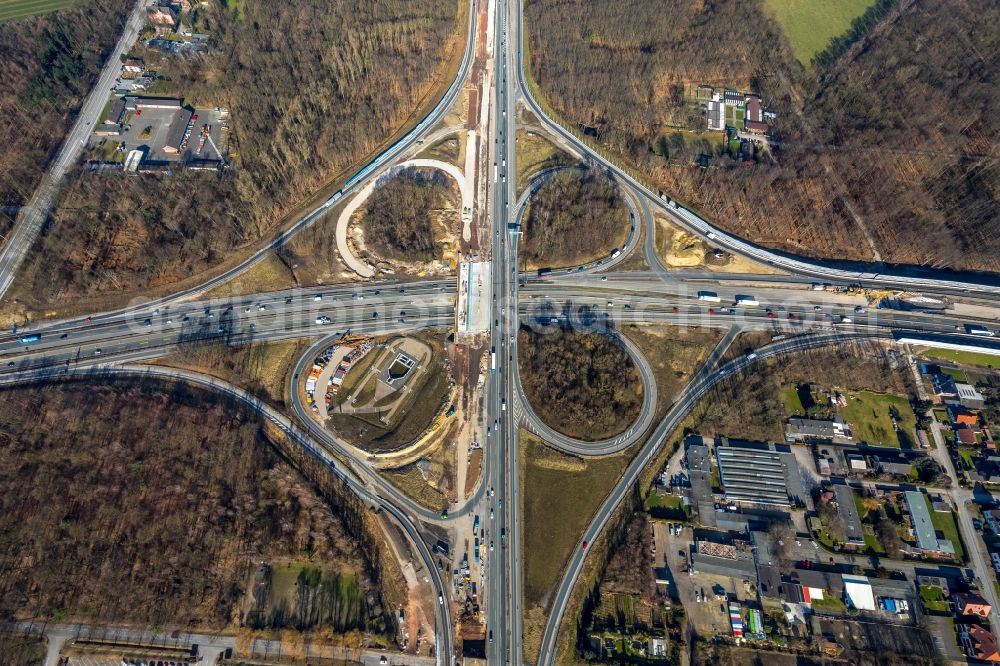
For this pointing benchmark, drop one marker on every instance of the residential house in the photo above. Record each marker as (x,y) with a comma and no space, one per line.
(754,119)
(992,519)
(848,510)
(934,581)
(116,112)
(815,430)
(733,96)
(944,386)
(858,592)
(816,584)
(897,466)
(754,111)
(971,604)
(133,66)
(979,642)
(965,436)
(857,462)
(177,131)
(716,115)
(961,416)
(923,526)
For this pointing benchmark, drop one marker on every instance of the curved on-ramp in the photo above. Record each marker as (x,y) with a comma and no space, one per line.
(359,266)
(360,457)
(635,214)
(602,447)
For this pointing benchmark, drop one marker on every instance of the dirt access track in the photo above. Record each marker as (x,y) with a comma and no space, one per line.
(357,265)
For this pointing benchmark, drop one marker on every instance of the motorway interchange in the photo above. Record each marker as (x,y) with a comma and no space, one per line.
(116,343)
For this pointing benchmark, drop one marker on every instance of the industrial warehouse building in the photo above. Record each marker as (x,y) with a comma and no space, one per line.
(759,473)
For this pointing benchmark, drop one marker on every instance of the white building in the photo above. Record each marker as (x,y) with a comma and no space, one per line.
(858,592)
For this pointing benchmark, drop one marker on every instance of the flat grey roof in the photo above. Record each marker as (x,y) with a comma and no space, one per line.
(848,510)
(723,566)
(923,527)
(753,472)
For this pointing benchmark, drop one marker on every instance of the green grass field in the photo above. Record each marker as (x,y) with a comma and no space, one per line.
(811,24)
(933,598)
(868,414)
(561,494)
(16,9)
(963,357)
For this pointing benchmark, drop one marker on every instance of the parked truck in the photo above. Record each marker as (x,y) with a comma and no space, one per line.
(975,329)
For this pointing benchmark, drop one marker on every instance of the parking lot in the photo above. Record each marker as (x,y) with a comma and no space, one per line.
(147,129)
(107,660)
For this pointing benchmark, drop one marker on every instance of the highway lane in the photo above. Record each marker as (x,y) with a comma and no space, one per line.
(870,275)
(685,401)
(302,298)
(358,485)
(503,602)
(26,230)
(110,343)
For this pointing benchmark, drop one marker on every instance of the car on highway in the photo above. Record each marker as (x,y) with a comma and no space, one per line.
(318,298)
(97,352)
(584,546)
(323,319)
(604,278)
(147,323)
(261,307)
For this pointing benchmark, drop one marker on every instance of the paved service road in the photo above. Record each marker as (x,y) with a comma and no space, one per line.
(37,211)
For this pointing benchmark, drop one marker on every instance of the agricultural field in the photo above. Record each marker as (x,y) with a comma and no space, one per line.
(11,10)
(811,24)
